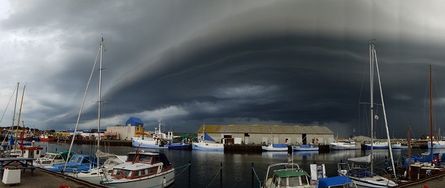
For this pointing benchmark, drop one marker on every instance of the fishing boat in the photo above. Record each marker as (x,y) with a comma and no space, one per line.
(305,147)
(344,145)
(46,138)
(286,175)
(362,175)
(275,147)
(179,146)
(207,143)
(159,140)
(142,169)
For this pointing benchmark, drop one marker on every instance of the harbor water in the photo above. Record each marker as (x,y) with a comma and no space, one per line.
(236,168)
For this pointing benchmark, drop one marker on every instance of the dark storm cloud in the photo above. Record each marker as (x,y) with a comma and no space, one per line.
(189,62)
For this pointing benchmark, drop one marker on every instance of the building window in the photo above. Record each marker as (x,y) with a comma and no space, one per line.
(246,134)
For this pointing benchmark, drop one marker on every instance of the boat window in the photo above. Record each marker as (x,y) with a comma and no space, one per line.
(85,160)
(130,157)
(304,180)
(283,182)
(58,157)
(275,181)
(145,158)
(294,181)
(142,173)
(153,170)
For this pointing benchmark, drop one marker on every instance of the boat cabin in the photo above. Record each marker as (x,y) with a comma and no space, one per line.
(140,165)
(290,178)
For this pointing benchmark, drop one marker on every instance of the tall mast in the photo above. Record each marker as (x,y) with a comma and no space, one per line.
(15,106)
(431,114)
(100,95)
(20,114)
(384,113)
(371,90)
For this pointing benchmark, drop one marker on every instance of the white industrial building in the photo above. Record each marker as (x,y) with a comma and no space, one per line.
(264,134)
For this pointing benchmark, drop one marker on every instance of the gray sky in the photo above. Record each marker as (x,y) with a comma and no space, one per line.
(194,61)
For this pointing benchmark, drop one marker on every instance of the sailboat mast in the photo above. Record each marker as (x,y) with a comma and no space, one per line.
(15,106)
(431,113)
(384,114)
(20,114)
(371,90)
(100,95)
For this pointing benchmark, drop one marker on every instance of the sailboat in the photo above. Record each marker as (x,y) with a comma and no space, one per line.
(85,162)
(207,143)
(362,176)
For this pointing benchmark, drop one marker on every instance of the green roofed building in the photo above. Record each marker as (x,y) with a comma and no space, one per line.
(265,134)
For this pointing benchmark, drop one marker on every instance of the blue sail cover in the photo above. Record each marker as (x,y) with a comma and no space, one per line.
(333,181)
(134,121)
(208,137)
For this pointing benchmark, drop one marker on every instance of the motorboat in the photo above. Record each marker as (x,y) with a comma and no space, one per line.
(398,146)
(344,145)
(305,147)
(440,144)
(362,177)
(207,146)
(51,158)
(207,143)
(98,174)
(377,145)
(142,169)
(275,147)
(286,175)
(77,163)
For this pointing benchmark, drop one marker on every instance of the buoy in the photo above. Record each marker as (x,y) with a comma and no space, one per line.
(426,186)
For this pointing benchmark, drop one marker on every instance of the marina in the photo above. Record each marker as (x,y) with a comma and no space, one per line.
(222,94)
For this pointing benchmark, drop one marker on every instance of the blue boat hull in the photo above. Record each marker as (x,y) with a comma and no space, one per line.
(180,146)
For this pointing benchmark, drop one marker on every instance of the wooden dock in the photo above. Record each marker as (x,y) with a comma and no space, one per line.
(42,178)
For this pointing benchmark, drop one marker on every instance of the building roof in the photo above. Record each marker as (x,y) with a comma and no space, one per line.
(269,129)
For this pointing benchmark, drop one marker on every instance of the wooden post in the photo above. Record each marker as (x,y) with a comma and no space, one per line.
(252,179)
(190,168)
(220,176)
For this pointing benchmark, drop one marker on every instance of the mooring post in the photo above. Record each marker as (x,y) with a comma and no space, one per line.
(251,171)
(220,175)
(190,170)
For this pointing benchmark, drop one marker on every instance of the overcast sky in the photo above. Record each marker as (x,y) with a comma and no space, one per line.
(190,62)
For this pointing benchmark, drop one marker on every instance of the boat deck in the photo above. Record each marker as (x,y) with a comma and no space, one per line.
(42,178)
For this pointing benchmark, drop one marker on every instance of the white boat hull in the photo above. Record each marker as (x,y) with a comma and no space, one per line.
(203,146)
(271,148)
(151,144)
(373,182)
(163,179)
(343,146)
(298,148)
(437,144)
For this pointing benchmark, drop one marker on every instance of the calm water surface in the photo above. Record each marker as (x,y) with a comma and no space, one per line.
(236,167)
